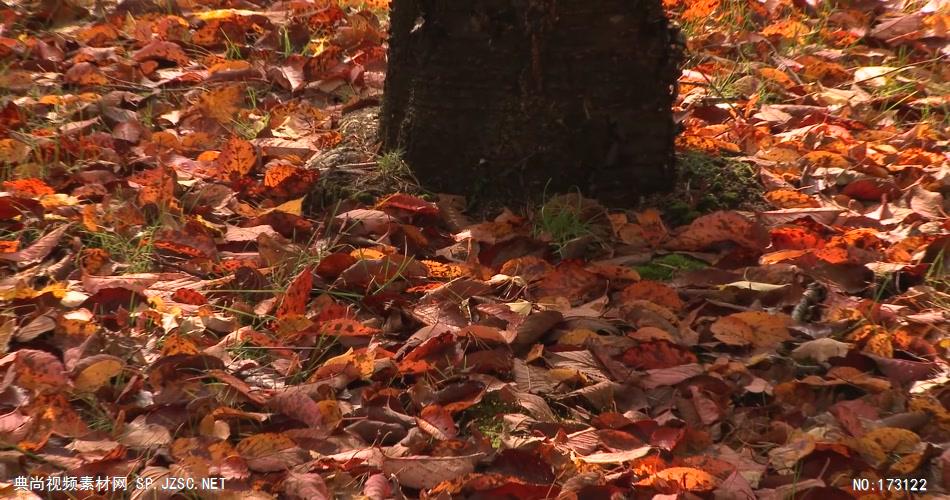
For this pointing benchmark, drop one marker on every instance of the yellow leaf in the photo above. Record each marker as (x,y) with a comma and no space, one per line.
(293,207)
(99,370)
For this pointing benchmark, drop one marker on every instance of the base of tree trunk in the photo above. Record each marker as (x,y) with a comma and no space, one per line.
(508,99)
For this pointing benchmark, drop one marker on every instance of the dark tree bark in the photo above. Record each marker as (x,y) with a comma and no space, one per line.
(504,99)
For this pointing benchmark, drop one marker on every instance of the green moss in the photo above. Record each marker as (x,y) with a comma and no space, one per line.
(487,417)
(707,184)
(663,268)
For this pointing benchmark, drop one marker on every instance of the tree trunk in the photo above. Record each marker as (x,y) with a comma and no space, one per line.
(503,99)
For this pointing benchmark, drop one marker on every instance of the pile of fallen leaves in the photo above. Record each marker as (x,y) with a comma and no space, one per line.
(174,305)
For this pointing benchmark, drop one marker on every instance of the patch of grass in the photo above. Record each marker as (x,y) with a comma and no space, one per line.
(248,128)
(135,251)
(561,221)
(283,274)
(326,348)
(93,414)
(487,417)
(232,51)
(286,46)
(665,267)
(25,236)
(246,350)
(392,164)
(937,117)
(7,172)
(938,279)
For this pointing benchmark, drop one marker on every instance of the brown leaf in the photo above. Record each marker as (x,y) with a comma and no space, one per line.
(437,422)
(39,370)
(659,354)
(162,50)
(752,328)
(304,486)
(653,291)
(270,452)
(903,371)
(139,434)
(377,487)
(570,280)
(425,472)
(616,457)
(323,416)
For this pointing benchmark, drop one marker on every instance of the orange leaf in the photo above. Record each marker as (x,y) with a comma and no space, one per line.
(85,74)
(237,158)
(653,291)
(795,238)
(189,296)
(162,50)
(569,279)
(756,328)
(714,228)
(788,29)
(222,103)
(38,370)
(93,259)
(437,422)
(28,188)
(659,354)
(298,294)
(345,327)
(408,203)
(700,9)
(437,352)
(786,198)
(680,479)
(98,35)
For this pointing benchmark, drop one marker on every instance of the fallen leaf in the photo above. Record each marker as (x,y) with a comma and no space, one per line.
(425,472)
(753,328)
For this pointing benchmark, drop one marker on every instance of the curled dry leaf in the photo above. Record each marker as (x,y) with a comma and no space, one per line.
(821,350)
(437,422)
(320,416)
(616,457)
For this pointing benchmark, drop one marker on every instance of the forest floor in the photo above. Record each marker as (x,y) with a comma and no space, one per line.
(207,272)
